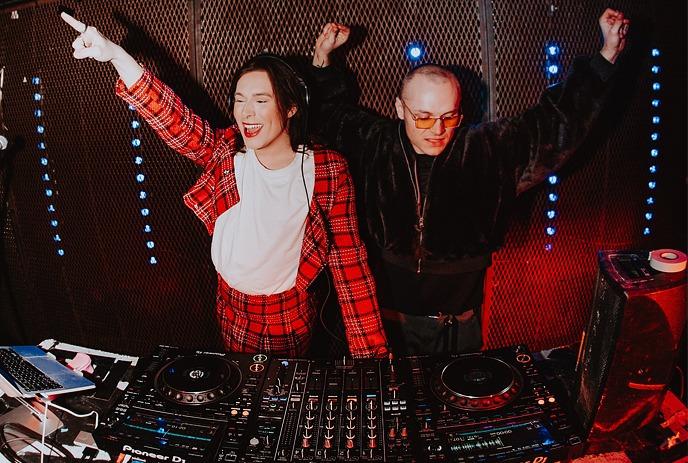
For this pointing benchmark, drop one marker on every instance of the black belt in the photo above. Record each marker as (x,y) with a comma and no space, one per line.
(463,265)
(447,319)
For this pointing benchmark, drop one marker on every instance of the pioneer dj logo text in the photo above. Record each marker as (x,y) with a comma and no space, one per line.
(143,453)
(540,460)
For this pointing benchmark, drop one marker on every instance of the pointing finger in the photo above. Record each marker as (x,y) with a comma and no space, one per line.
(75,23)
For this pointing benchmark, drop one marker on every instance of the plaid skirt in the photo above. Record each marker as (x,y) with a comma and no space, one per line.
(280,324)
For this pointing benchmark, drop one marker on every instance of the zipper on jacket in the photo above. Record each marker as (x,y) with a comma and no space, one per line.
(420,206)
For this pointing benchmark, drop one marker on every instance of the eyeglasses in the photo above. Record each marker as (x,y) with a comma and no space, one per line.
(428,122)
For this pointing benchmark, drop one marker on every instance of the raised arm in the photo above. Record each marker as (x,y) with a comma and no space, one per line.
(530,146)
(344,125)
(92,44)
(164,111)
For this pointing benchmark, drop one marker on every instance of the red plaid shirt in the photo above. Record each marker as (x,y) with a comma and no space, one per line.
(279,323)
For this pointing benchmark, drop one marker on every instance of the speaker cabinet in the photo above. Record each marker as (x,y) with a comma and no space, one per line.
(630,345)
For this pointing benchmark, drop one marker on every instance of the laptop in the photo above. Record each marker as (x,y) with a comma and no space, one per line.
(28,371)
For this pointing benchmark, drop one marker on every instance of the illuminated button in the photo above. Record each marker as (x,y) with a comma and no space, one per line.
(541,402)
(234,412)
(189,398)
(551,400)
(245,413)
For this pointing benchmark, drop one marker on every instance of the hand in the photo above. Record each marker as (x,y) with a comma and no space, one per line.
(92,44)
(332,36)
(614,26)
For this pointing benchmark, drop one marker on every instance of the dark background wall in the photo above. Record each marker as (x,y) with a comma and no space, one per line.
(104,292)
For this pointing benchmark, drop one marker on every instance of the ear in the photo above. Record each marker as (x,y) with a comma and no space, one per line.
(291,112)
(400,108)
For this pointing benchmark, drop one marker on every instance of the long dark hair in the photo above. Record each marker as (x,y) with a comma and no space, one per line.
(290,91)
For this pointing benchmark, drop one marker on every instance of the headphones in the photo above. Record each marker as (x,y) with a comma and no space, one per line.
(279,59)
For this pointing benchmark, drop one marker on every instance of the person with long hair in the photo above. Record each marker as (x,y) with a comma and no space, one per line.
(279,210)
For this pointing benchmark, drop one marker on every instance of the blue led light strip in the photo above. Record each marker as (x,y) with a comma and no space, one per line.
(552,72)
(655,120)
(47,176)
(135,125)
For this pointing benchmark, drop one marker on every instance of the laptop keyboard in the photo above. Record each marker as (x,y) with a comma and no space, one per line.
(26,375)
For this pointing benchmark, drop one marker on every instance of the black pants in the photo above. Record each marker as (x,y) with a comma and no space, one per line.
(442,334)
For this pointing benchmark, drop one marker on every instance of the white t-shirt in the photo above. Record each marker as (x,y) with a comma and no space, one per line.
(256,245)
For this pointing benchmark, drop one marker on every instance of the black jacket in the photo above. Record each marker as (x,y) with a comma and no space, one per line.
(474,181)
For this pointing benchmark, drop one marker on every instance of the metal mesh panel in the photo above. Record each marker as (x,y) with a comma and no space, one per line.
(104,292)
(103,289)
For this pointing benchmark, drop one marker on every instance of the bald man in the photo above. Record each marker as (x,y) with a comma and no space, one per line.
(435,194)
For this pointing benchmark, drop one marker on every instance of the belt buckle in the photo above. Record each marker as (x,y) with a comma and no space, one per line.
(445,319)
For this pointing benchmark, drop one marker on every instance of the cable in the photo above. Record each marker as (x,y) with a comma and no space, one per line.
(321,311)
(77,415)
(22,433)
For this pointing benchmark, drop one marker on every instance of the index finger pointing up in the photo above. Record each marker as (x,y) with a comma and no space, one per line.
(75,23)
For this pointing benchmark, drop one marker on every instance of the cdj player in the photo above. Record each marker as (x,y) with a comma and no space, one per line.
(491,406)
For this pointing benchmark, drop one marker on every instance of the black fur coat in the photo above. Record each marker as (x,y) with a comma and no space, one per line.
(474,181)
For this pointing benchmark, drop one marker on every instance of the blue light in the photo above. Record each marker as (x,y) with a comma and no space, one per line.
(655,69)
(60,252)
(44,161)
(652,185)
(147,228)
(132,107)
(655,119)
(145,212)
(650,200)
(138,160)
(136,143)
(552,49)
(655,52)
(57,238)
(648,215)
(46,177)
(654,136)
(48,192)
(143,194)
(414,51)
(150,244)
(35,80)
(654,152)
(38,113)
(552,197)
(553,69)
(37,97)
(548,247)
(656,86)
(40,129)
(41,145)
(653,169)
(140,178)
(646,231)
(153,260)
(135,124)
(53,223)
(655,103)
(551,214)
(551,231)
(552,179)
(51,208)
